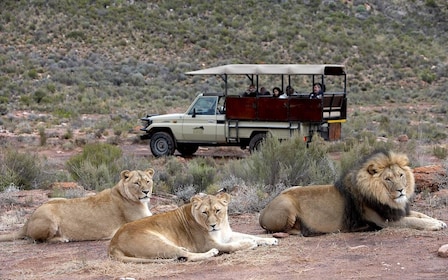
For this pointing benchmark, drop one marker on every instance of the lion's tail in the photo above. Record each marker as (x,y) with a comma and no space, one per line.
(20,234)
(119,256)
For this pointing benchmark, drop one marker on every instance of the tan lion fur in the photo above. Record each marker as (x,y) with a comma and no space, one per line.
(90,218)
(374,195)
(194,231)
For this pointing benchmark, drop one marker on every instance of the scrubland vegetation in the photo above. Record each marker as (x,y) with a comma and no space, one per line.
(62,61)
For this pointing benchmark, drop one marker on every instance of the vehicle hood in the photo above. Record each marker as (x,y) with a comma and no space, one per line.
(166,118)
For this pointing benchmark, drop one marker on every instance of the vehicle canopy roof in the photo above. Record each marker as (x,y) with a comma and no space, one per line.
(272,69)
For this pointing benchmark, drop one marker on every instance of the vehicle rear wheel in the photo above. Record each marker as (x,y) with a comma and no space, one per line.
(187,149)
(162,144)
(255,142)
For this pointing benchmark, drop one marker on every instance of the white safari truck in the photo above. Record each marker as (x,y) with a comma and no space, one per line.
(231,118)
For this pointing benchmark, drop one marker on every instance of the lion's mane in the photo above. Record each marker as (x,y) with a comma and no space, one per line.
(364,185)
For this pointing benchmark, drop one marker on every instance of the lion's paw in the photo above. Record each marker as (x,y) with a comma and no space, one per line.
(248,244)
(213,252)
(437,225)
(268,241)
(442,225)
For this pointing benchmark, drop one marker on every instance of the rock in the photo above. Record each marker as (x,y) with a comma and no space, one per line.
(403,138)
(429,177)
(280,234)
(443,251)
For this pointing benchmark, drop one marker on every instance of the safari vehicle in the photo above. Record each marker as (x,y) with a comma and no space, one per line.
(229,118)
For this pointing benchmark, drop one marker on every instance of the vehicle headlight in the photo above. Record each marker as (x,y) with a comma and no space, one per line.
(146,122)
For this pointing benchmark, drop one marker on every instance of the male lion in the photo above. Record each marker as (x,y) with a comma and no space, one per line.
(90,218)
(372,196)
(193,232)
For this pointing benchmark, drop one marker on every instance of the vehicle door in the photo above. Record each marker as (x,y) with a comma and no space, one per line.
(199,124)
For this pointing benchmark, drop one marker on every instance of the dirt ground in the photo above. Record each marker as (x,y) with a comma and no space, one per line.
(386,254)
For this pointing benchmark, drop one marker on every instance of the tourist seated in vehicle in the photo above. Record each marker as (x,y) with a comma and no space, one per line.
(318,91)
(276,92)
(264,91)
(251,91)
(289,92)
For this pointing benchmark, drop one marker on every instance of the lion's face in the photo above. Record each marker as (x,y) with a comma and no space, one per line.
(210,211)
(387,179)
(137,185)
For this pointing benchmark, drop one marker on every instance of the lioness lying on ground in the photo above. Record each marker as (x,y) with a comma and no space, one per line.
(373,195)
(193,232)
(90,218)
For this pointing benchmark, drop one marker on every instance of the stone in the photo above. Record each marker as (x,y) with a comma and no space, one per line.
(280,234)
(429,177)
(403,138)
(443,251)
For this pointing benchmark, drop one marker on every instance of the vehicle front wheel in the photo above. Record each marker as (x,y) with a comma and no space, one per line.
(255,142)
(162,144)
(187,149)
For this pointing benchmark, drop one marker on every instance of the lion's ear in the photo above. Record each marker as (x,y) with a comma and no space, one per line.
(150,171)
(125,174)
(371,169)
(224,197)
(196,199)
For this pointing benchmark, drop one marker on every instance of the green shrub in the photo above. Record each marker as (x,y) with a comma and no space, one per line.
(289,162)
(174,178)
(42,136)
(427,76)
(94,177)
(68,134)
(33,74)
(25,99)
(51,88)
(38,96)
(440,152)
(20,169)
(203,171)
(97,167)
(76,34)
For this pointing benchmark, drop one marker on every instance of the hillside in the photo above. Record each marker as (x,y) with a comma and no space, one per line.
(128,58)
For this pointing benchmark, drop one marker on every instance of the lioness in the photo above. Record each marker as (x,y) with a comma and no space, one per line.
(193,232)
(90,218)
(373,195)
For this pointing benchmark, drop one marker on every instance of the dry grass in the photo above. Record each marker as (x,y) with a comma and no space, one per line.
(337,255)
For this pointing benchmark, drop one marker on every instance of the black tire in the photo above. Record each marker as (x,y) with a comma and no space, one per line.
(162,144)
(187,149)
(255,142)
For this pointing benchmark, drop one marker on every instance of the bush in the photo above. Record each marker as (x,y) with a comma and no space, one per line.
(203,171)
(20,169)
(289,162)
(440,152)
(39,95)
(97,167)
(174,178)
(275,167)
(42,136)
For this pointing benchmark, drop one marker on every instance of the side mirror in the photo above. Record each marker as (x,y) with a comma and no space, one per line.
(194,113)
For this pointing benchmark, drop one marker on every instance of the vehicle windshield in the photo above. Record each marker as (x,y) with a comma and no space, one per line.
(205,105)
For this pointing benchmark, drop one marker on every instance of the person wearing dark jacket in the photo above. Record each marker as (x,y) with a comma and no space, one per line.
(318,92)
